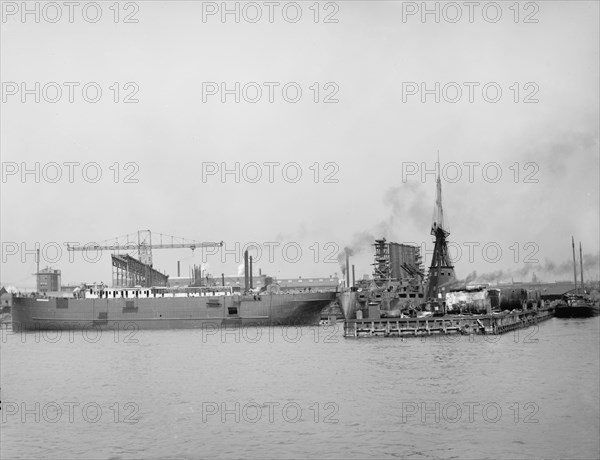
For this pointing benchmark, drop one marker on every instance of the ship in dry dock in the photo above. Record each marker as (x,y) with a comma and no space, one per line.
(141,299)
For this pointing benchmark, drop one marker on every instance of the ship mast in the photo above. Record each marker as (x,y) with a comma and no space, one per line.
(441,269)
(574,264)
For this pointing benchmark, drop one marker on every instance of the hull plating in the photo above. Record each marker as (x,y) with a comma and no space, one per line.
(169,313)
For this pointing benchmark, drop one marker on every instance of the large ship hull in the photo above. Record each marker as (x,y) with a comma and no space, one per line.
(38,313)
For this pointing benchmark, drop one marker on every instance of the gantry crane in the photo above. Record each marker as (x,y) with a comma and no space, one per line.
(129,271)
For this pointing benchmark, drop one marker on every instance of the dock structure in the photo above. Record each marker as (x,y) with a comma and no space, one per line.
(496,323)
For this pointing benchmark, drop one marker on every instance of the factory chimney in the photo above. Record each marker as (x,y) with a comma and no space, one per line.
(251,273)
(246,271)
(347,269)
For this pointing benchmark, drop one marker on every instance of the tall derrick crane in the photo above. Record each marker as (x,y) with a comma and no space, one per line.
(130,271)
(441,270)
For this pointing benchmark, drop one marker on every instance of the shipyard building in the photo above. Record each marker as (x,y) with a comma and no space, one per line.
(48,280)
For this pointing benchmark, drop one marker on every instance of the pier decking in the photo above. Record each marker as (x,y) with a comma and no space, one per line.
(497,323)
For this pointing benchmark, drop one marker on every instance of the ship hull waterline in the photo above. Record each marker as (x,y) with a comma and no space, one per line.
(31,313)
(584,311)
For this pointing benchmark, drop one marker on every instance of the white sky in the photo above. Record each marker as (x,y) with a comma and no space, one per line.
(369,134)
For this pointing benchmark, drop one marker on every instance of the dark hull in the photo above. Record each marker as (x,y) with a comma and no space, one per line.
(168,313)
(576,311)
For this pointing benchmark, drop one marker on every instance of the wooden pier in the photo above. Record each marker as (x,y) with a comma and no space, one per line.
(496,323)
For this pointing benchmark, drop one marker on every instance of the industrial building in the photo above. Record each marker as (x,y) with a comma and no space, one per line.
(548,291)
(405,261)
(48,280)
(397,262)
(129,271)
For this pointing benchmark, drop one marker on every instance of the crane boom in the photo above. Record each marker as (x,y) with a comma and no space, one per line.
(131,246)
(144,244)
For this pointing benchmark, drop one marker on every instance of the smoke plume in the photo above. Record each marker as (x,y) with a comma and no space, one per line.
(406,207)
(548,271)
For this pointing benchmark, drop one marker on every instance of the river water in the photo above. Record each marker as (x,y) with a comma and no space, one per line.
(301,393)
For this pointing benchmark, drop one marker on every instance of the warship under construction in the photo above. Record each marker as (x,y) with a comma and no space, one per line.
(401,300)
(399,286)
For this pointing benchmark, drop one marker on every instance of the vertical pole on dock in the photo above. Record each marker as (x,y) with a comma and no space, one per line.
(574,264)
(37,273)
(353,278)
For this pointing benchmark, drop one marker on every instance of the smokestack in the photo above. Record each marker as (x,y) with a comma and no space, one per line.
(347,269)
(581,268)
(222,279)
(574,263)
(178,268)
(251,272)
(246,270)
(353,278)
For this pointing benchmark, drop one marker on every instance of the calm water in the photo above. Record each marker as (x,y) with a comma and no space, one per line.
(299,393)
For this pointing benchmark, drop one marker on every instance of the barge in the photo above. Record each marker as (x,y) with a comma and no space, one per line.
(469,310)
(495,323)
